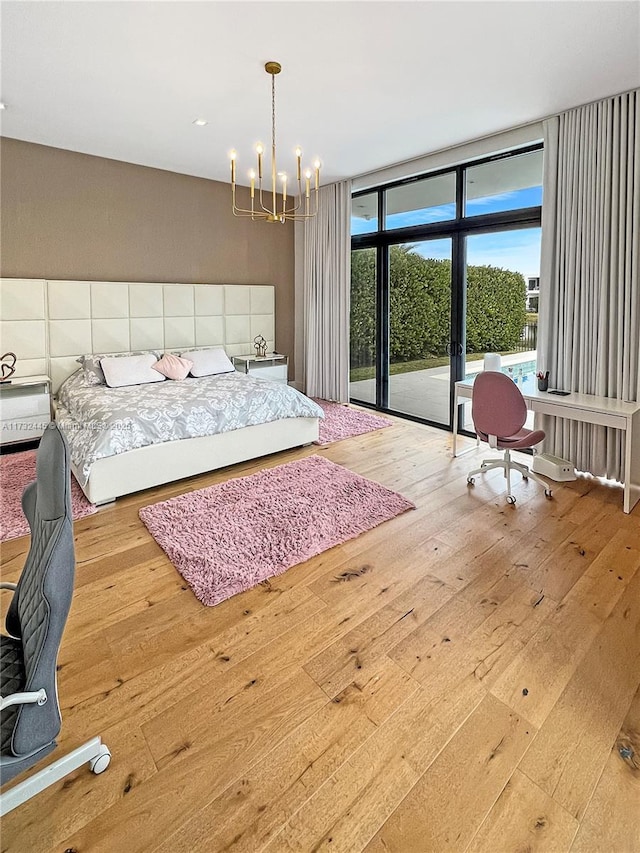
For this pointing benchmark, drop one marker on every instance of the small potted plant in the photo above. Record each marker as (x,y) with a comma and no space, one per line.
(543,380)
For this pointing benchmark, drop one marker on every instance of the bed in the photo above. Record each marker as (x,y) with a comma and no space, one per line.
(50,324)
(126,439)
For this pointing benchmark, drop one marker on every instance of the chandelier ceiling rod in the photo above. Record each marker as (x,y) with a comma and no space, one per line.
(271,214)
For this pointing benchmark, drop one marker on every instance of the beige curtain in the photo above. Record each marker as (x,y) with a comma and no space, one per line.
(589,325)
(326,275)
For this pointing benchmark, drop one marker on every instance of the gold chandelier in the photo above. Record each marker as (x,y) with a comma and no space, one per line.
(300,206)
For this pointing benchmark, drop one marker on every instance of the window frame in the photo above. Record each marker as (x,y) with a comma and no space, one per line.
(457,229)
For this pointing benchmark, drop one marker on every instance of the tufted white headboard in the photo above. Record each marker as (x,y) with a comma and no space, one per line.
(48,324)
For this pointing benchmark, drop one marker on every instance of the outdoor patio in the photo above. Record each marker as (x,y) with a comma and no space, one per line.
(425,393)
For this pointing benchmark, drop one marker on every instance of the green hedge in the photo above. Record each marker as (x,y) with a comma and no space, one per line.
(420,295)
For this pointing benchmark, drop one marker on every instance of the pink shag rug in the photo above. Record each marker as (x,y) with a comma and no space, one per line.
(227,538)
(16,471)
(343,422)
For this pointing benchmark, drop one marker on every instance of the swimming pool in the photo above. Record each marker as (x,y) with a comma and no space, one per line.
(519,372)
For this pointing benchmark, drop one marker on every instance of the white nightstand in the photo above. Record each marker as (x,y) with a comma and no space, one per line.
(274,366)
(25,408)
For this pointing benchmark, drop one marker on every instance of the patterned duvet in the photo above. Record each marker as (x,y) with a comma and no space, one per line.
(99,421)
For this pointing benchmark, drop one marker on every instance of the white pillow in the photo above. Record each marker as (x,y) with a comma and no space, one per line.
(130,370)
(91,363)
(207,362)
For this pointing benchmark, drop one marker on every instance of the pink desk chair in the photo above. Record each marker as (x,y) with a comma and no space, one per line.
(499,413)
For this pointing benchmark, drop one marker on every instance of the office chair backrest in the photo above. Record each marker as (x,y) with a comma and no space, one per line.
(497,406)
(41,602)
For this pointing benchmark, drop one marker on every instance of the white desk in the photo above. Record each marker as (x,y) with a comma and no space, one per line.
(586,408)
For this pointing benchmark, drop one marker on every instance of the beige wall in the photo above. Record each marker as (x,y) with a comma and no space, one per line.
(72,216)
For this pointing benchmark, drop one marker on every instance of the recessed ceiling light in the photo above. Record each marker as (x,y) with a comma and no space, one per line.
(200,122)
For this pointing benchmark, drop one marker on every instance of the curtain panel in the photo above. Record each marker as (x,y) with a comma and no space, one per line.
(326,276)
(589,324)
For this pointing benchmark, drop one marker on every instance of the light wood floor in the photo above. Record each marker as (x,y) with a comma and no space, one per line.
(464,677)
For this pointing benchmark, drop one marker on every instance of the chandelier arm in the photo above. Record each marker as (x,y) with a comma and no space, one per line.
(297,199)
(240,212)
(266,209)
(243,211)
(295,206)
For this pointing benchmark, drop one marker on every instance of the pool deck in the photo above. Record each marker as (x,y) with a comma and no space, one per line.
(425,393)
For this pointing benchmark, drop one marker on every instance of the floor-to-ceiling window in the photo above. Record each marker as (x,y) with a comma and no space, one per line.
(443,270)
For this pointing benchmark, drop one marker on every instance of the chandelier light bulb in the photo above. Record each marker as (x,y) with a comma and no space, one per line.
(259,148)
(232,156)
(298,151)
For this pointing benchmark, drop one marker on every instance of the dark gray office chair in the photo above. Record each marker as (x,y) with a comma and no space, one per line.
(30,714)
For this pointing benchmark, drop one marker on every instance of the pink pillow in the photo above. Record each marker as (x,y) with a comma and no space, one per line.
(173,367)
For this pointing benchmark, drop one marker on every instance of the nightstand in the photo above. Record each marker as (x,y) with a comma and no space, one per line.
(274,366)
(25,408)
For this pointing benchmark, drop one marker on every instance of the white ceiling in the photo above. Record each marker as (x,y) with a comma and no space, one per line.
(364,84)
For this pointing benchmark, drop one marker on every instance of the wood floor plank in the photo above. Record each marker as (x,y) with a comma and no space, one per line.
(616,800)
(352,804)
(122,596)
(153,636)
(561,568)
(197,762)
(573,744)
(391,566)
(537,674)
(44,822)
(204,718)
(431,643)
(251,810)
(445,808)
(357,651)
(472,645)
(601,586)
(525,818)
(148,693)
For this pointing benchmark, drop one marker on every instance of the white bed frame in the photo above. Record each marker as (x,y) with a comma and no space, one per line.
(163,463)
(48,324)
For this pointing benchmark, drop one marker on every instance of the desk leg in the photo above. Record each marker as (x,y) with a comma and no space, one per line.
(632,463)
(455,426)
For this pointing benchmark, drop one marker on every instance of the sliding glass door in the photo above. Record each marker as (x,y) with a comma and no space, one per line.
(363,331)
(445,267)
(502,268)
(502,287)
(420,329)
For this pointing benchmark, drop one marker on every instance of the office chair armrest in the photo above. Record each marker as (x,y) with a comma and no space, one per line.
(35,696)
(11,586)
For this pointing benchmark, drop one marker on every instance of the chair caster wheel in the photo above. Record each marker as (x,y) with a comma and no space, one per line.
(100,763)
(548,494)
(470,481)
(511,499)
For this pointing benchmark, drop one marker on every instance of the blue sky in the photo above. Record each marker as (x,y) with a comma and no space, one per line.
(515,250)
